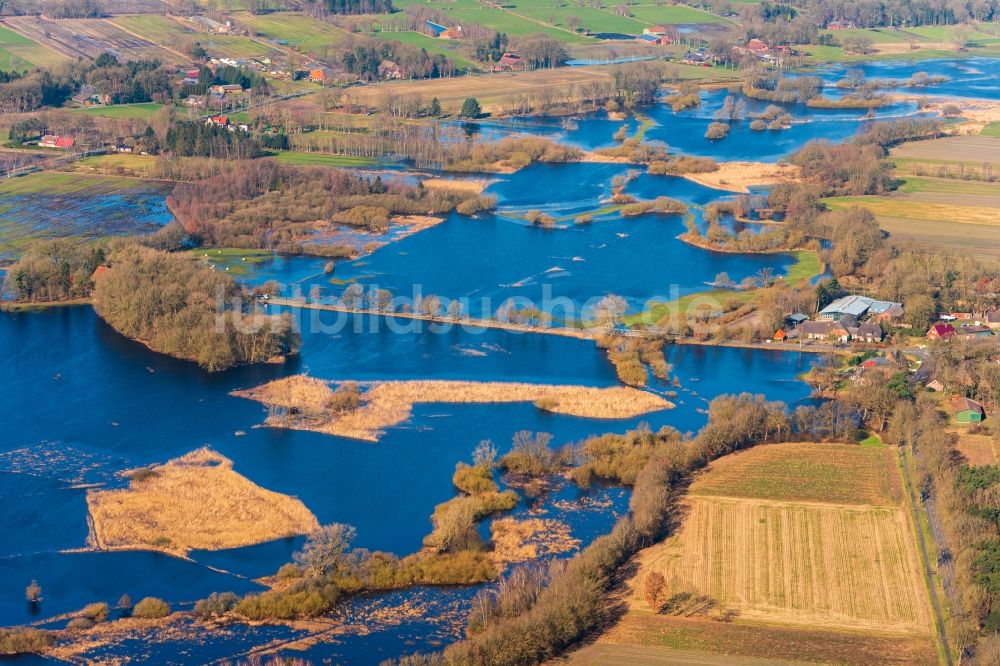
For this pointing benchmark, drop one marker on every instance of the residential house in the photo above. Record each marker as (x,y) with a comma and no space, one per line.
(757,47)
(230,88)
(509,62)
(992,319)
(56,141)
(657,30)
(84,95)
(696,58)
(866,332)
(935,385)
(220,121)
(387,69)
(824,330)
(779,335)
(122,147)
(941,332)
(318,75)
(966,410)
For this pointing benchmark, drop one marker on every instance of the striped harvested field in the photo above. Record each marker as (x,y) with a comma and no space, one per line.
(802,535)
(799,563)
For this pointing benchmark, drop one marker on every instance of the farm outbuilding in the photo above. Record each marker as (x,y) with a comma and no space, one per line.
(966,410)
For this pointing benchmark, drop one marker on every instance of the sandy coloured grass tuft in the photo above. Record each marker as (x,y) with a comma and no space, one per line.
(302,401)
(741,176)
(526,540)
(196,501)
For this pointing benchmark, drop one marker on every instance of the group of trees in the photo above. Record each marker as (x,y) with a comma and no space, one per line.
(364,59)
(177,307)
(134,81)
(53,270)
(187,138)
(262,204)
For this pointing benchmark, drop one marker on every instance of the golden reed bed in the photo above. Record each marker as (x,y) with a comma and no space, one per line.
(389,403)
(196,501)
(741,176)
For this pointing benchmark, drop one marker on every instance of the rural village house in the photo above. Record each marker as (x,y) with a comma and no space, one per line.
(941,332)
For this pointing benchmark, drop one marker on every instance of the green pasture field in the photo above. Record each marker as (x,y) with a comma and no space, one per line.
(17,52)
(141,111)
(297,30)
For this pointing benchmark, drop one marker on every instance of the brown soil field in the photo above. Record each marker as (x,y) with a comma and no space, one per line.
(971,148)
(976,449)
(89,38)
(741,176)
(197,501)
(643,639)
(981,241)
(385,404)
(836,473)
(818,565)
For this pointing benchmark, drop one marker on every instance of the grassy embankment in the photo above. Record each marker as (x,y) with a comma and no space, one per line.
(943,200)
(815,523)
(806,267)
(385,404)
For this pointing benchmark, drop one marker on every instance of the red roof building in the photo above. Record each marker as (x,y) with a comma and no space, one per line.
(55,141)
(509,62)
(757,46)
(941,332)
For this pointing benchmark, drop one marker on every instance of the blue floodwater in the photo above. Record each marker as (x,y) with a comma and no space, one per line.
(121,406)
(82,403)
(498,256)
(137,211)
(972,77)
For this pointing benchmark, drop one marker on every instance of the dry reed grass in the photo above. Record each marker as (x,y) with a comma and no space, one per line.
(526,540)
(196,501)
(389,403)
(741,176)
(464,186)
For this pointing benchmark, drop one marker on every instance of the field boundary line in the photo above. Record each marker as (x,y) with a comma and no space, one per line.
(783,503)
(929,577)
